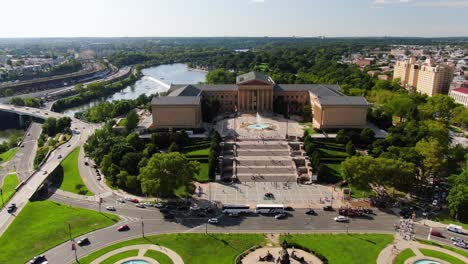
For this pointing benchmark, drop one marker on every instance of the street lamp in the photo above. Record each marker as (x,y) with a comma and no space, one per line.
(142,227)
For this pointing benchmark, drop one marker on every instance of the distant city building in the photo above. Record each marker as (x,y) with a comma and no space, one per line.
(363,62)
(460,95)
(428,78)
(384,77)
(255,92)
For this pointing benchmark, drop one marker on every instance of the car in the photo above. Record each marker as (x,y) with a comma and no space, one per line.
(59,157)
(457,239)
(123,228)
(328,208)
(459,244)
(68,145)
(158,205)
(38,259)
(435,202)
(11,208)
(213,221)
(341,218)
(436,233)
(310,212)
(280,216)
(148,204)
(110,208)
(22,145)
(29,134)
(289,208)
(135,200)
(140,205)
(121,200)
(98,178)
(86,163)
(44,172)
(83,241)
(46,113)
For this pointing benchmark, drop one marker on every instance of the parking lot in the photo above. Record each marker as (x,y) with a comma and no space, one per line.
(252,193)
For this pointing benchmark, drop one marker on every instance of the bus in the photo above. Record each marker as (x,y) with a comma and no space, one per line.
(236,209)
(269,209)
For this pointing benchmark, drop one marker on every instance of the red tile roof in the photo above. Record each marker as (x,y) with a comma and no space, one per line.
(462,90)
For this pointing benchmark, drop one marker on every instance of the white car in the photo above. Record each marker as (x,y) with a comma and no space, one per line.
(457,239)
(139,205)
(159,205)
(110,208)
(459,244)
(128,198)
(213,221)
(121,200)
(148,204)
(341,218)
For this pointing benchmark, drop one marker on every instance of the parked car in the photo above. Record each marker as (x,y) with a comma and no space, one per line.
(148,204)
(158,205)
(121,200)
(213,221)
(83,241)
(436,233)
(135,200)
(38,259)
(110,208)
(140,205)
(280,216)
(310,212)
(459,244)
(328,208)
(123,228)
(341,218)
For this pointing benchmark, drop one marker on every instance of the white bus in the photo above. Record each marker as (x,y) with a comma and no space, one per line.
(269,209)
(236,209)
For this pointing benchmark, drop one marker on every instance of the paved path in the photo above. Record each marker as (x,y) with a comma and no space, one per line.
(176,259)
(388,254)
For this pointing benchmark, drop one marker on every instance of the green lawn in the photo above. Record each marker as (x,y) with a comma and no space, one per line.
(403,256)
(198,152)
(454,249)
(332,155)
(194,248)
(42,225)
(360,193)
(8,155)
(71,174)
(9,184)
(445,218)
(159,256)
(203,174)
(119,256)
(440,255)
(343,248)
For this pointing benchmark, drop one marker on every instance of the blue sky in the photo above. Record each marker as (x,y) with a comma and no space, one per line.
(187,18)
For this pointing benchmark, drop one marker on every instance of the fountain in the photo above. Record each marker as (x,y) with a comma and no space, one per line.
(258,125)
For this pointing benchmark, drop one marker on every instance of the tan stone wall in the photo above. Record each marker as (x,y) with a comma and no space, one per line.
(228,99)
(339,117)
(255,98)
(176,116)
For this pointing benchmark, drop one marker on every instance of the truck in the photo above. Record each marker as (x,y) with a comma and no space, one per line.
(455,228)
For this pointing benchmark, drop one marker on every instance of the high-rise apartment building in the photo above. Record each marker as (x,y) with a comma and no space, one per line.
(428,77)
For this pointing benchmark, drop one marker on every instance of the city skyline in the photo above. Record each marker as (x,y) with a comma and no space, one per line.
(223,18)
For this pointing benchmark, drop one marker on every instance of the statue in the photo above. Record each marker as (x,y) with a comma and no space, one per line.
(283,254)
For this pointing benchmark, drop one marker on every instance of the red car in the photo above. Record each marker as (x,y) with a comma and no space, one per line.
(134,200)
(436,233)
(123,228)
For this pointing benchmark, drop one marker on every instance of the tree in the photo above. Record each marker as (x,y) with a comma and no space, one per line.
(210,108)
(220,76)
(367,136)
(433,154)
(439,106)
(341,136)
(173,147)
(350,149)
(401,106)
(460,117)
(164,173)
(132,121)
(458,196)
(50,126)
(63,124)
(130,162)
(307,113)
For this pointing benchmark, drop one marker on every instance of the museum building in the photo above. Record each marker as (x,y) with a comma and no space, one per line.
(256,92)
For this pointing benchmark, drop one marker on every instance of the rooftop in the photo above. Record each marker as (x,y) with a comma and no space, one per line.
(461,90)
(342,100)
(176,100)
(254,76)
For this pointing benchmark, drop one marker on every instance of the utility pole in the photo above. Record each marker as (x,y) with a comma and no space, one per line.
(142,227)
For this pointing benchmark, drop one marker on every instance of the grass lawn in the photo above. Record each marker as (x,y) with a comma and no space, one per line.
(360,193)
(194,248)
(71,174)
(445,218)
(42,225)
(203,174)
(332,155)
(8,155)
(343,248)
(454,249)
(159,256)
(440,255)
(119,256)
(198,152)
(9,183)
(403,256)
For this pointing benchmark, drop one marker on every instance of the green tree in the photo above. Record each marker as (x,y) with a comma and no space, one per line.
(220,76)
(350,149)
(460,117)
(458,196)
(341,136)
(173,147)
(401,106)
(164,173)
(433,154)
(50,126)
(132,121)
(367,136)
(438,106)
(307,113)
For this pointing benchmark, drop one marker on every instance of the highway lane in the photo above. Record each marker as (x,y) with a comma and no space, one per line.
(24,158)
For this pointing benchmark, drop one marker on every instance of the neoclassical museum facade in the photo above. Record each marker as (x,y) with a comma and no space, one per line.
(255,92)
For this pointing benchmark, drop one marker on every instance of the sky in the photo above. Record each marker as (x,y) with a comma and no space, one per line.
(208,18)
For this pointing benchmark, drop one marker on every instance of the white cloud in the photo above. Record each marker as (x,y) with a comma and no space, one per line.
(425,3)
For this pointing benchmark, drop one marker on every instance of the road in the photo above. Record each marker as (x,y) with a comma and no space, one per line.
(35,180)
(23,162)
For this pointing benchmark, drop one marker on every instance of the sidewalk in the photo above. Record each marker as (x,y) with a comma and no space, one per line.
(176,259)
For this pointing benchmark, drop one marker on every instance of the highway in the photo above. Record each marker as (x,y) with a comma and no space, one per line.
(35,180)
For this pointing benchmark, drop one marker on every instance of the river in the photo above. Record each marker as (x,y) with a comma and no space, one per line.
(177,73)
